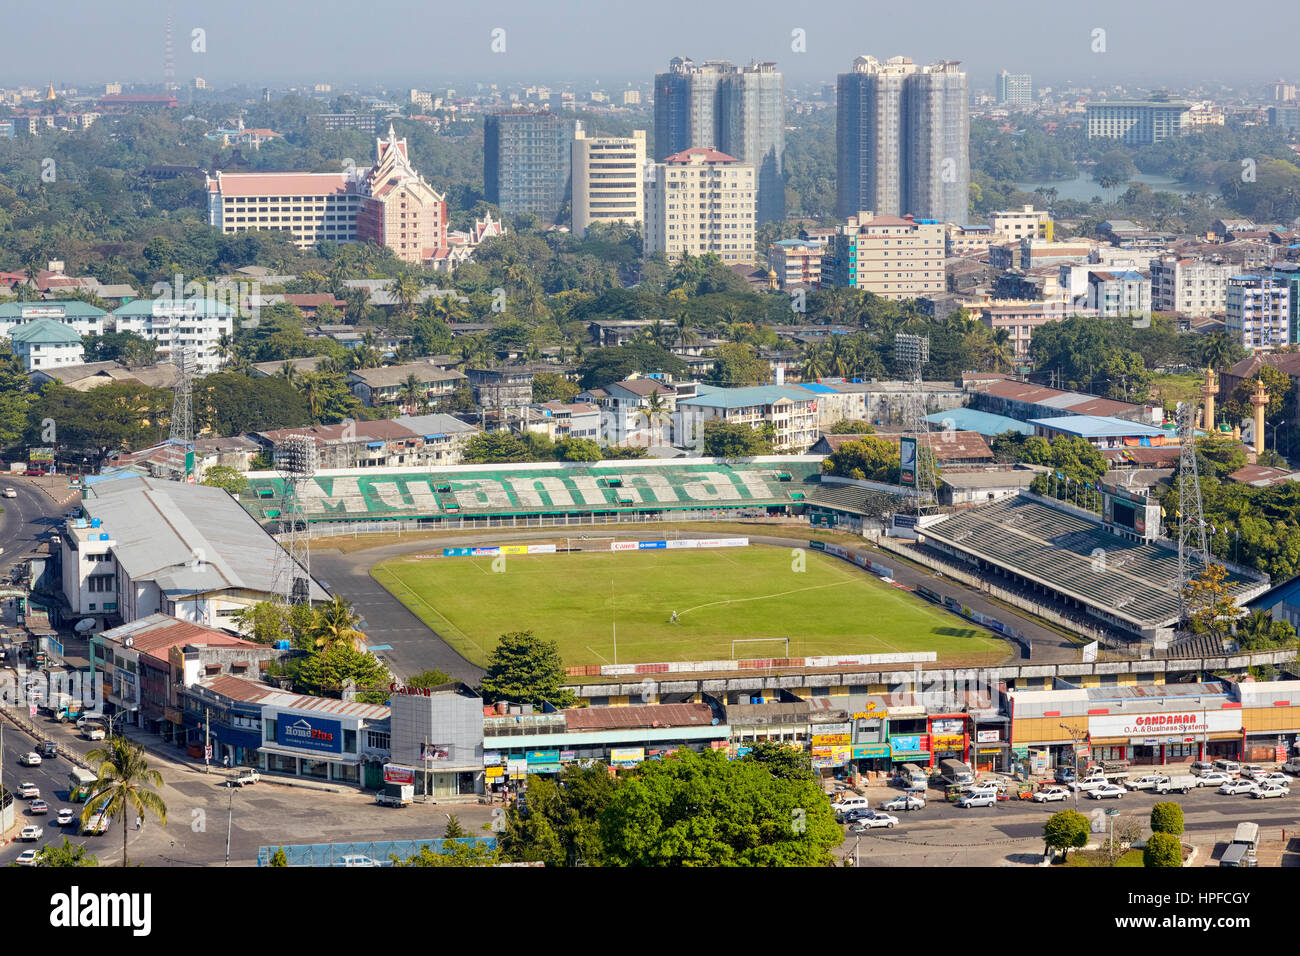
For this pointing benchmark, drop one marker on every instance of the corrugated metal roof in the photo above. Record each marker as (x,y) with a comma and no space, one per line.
(650,715)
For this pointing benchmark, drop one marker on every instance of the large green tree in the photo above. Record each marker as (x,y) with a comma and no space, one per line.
(1066,830)
(525,669)
(701,809)
(734,440)
(124,784)
(325,673)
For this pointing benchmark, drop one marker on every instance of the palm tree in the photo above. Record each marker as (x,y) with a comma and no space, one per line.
(1217,351)
(224,347)
(366,356)
(1003,353)
(685,334)
(336,623)
(659,333)
(404,289)
(313,392)
(412,390)
(289,372)
(124,783)
(655,410)
(814,365)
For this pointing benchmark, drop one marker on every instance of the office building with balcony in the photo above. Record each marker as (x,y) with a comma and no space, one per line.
(1138,123)
(1259,311)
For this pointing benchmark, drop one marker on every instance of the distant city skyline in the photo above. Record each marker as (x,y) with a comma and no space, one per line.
(257,44)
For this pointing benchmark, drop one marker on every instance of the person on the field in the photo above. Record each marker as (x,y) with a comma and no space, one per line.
(673,620)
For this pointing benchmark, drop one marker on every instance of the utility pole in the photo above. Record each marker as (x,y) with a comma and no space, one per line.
(207,740)
(230,815)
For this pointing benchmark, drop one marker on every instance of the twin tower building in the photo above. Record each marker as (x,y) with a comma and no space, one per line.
(902,132)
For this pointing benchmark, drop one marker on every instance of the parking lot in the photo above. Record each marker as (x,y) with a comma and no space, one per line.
(1010,832)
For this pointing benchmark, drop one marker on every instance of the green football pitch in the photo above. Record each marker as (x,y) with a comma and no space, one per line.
(586,601)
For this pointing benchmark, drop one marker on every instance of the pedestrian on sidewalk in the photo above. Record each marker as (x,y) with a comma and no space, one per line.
(139,822)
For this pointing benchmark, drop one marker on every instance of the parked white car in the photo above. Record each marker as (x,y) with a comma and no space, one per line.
(1270,790)
(1277,778)
(1253,771)
(1214,778)
(1239,786)
(1149,782)
(871,820)
(1050,794)
(1105,791)
(906,801)
(1090,783)
(978,800)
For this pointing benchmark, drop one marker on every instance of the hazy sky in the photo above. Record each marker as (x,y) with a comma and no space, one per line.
(432,43)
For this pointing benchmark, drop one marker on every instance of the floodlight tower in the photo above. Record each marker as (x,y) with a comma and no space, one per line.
(1191,516)
(912,352)
(296,461)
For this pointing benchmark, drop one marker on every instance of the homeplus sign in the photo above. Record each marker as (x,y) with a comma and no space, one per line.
(309,733)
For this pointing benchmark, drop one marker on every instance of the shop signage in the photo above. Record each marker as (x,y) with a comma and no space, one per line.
(492,758)
(868,751)
(832,740)
(309,733)
(916,743)
(394,773)
(823,730)
(872,712)
(492,773)
(517,767)
(948,742)
(568,756)
(410,691)
(1021,751)
(1038,762)
(626,756)
(544,756)
(987,736)
(948,727)
(823,757)
(1173,723)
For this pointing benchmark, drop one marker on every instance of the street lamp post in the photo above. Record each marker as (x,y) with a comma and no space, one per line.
(230,815)
(1074,739)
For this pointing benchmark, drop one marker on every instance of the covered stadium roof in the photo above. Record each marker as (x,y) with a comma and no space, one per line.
(1075,557)
(544,488)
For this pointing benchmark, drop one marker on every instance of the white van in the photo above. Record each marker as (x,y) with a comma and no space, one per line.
(1292,766)
(1230,767)
(846,806)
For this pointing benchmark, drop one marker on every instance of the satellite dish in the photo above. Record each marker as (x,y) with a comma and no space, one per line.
(84,625)
(129,642)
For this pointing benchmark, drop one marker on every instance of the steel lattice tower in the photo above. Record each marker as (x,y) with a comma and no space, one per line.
(182,426)
(1191,516)
(296,462)
(169,60)
(912,352)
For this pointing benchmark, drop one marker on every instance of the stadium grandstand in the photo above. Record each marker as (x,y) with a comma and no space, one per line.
(1067,553)
(466,495)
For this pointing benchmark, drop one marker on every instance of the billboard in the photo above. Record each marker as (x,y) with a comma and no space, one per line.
(626,756)
(40,454)
(907,461)
(309,733)
(1167,724)
(435,751)
(394,773)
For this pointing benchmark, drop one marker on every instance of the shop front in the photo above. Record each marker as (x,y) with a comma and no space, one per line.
(831,748)
(992,752)
(871,738)
(948,738)
(333,748)
(1167,737)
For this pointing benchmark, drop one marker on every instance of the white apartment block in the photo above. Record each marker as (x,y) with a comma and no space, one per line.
(1191,287)
(172,324)
(790,410)
(608,179)
(700,201)
(312,207)
(1259,312)
(1024,223)
(891,257)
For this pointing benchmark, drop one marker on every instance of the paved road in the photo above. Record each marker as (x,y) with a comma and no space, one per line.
(415,646)
(199,808)
(26,518)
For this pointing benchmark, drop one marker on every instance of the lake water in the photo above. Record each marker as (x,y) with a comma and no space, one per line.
(1085,188)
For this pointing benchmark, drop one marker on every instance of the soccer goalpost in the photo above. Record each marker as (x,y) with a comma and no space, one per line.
(589,543)
(760,640)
